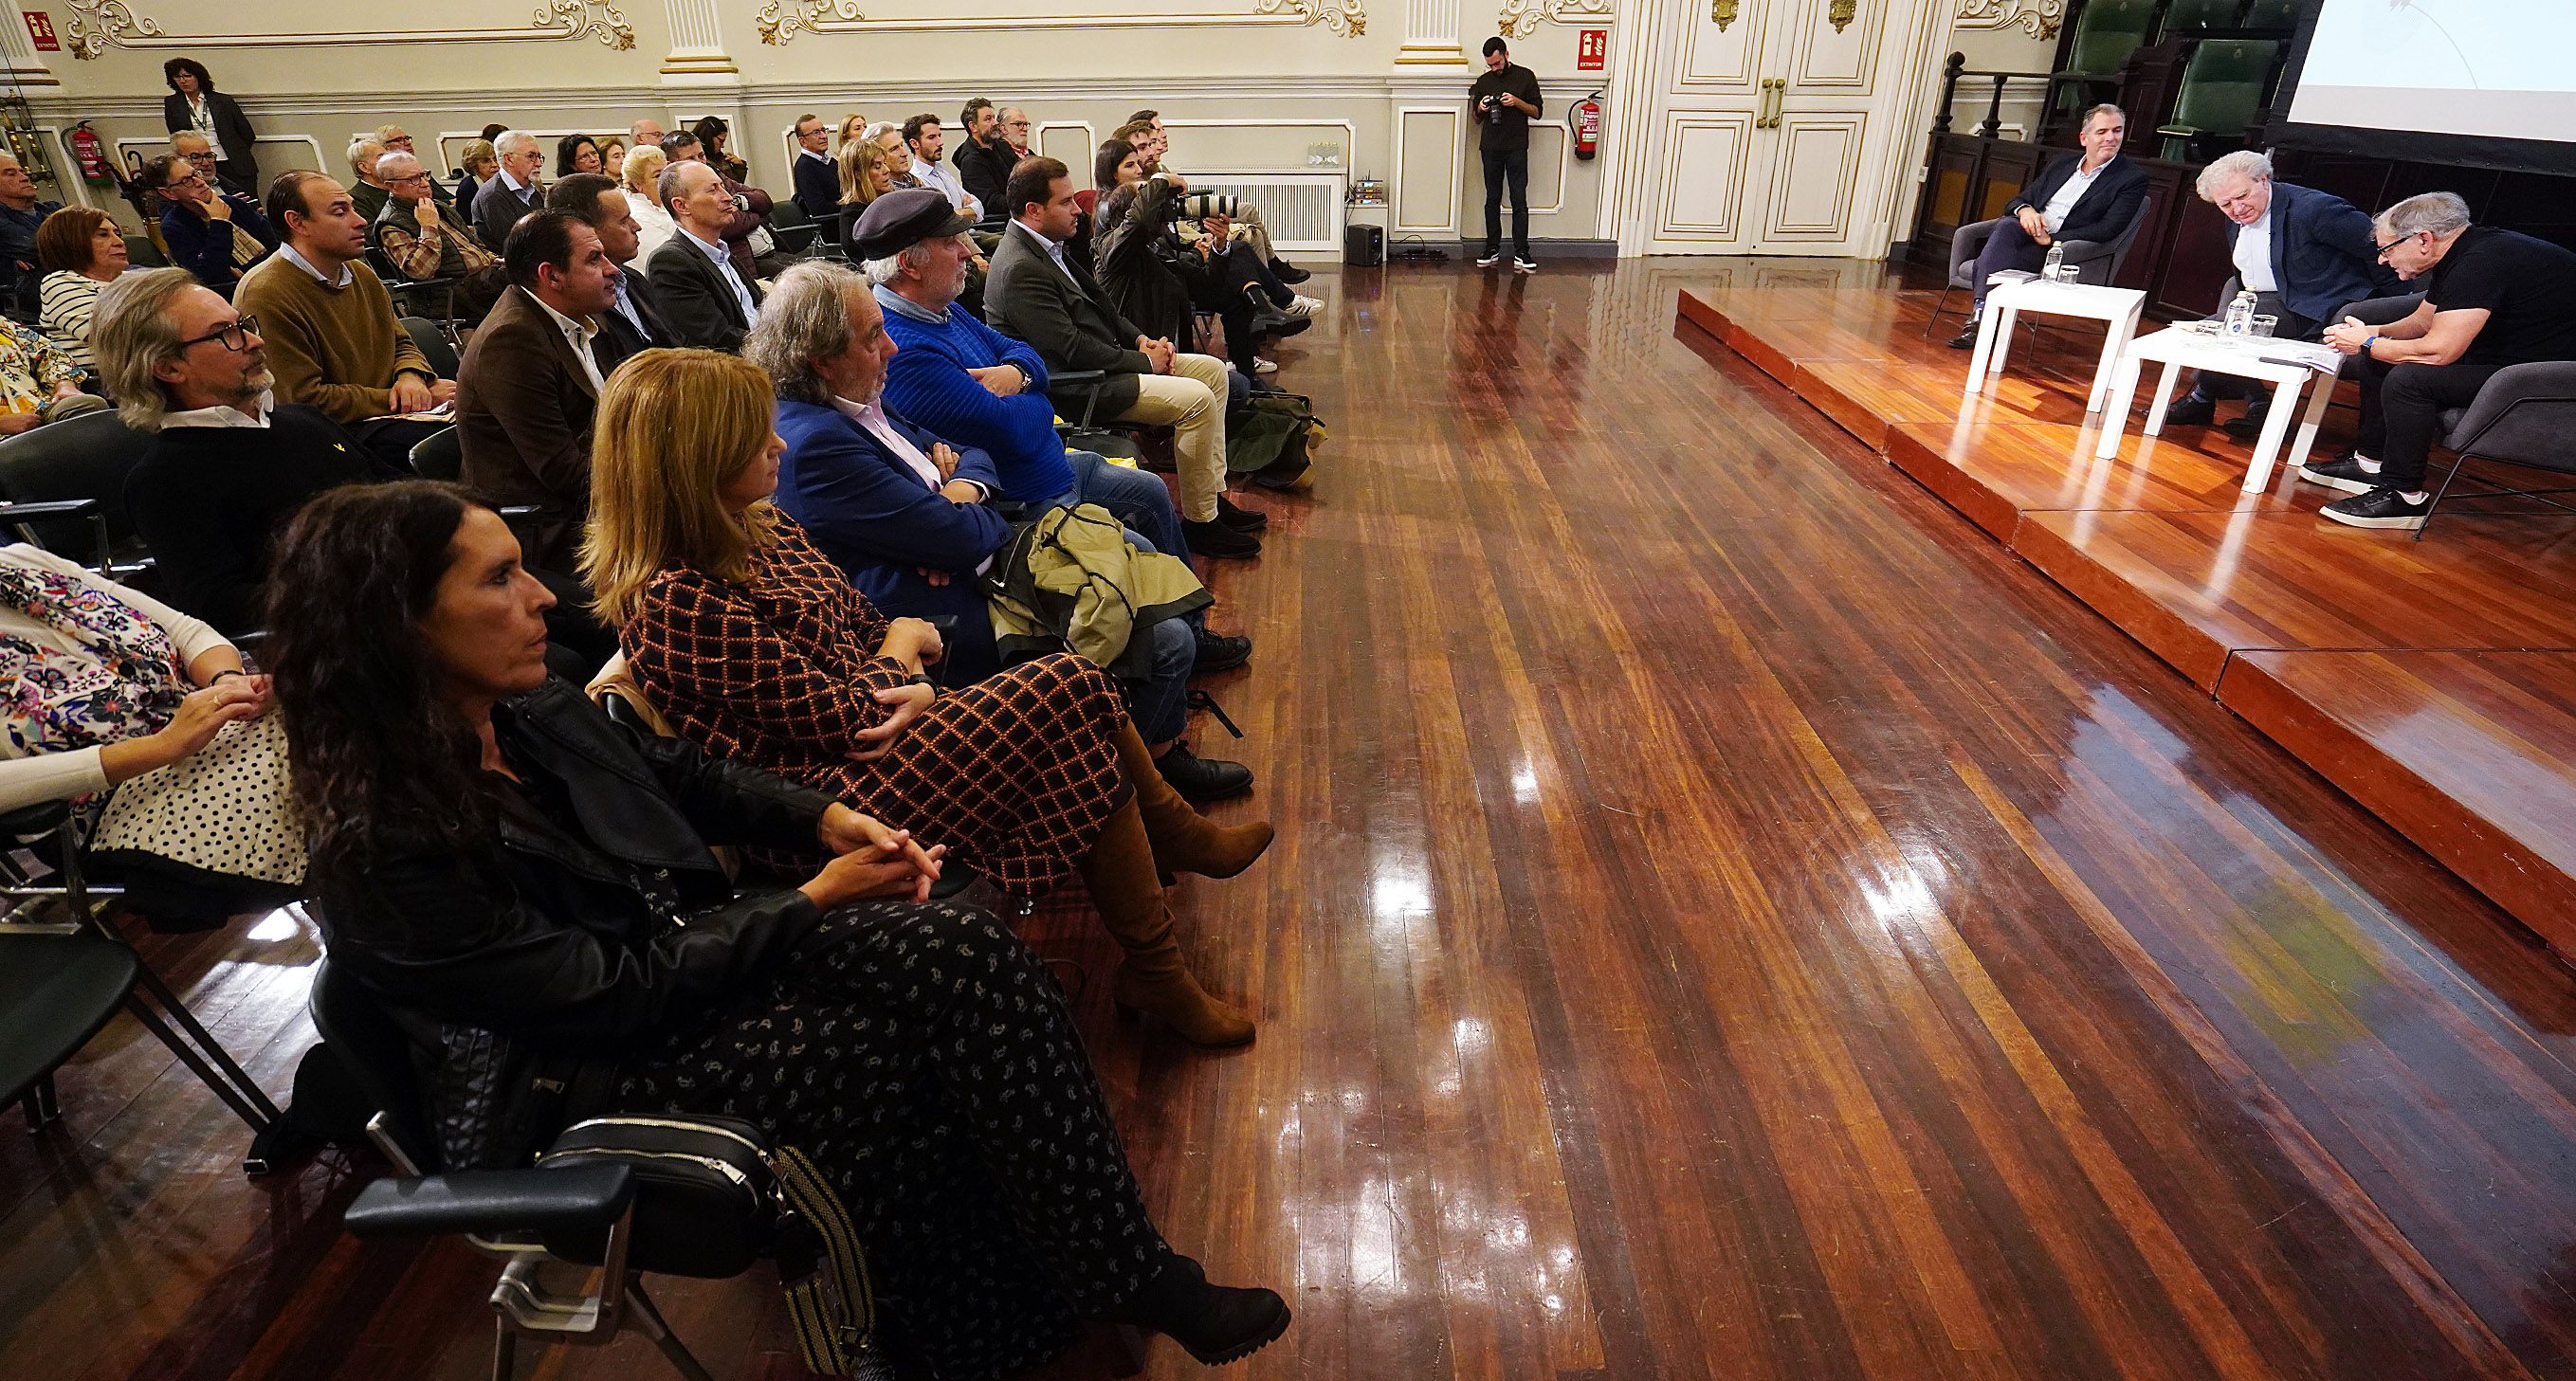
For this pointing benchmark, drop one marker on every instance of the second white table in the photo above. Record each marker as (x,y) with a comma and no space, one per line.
(2287,365)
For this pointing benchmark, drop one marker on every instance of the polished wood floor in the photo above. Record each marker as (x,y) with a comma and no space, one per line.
(1732,919)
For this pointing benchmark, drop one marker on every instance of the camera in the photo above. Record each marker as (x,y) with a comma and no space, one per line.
(1198,206)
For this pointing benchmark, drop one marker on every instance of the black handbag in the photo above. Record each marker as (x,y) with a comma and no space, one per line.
(712,1197)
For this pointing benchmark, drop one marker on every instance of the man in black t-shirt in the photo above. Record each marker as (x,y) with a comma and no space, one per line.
(1504,101)
(2492,298)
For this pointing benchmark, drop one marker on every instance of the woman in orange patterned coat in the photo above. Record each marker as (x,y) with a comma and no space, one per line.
(756,646)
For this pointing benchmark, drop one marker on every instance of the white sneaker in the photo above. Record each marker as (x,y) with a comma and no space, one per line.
(1302,305)
(1524,265)
(1490,260)
(1265,366)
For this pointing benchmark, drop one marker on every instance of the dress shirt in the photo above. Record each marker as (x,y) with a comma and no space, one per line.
(724,265)
(222,415)
(1054,251)
(2060,206)
(576,334)
(2254,254)
(517,188)
(297,259)
(941,176)
(872,420)
(625,305)
(901,305)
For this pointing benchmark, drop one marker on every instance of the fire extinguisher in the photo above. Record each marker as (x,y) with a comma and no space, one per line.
(1587,126)
(90,155)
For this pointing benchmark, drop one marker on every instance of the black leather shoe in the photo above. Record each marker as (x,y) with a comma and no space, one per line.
(2249,426)
(2190,410)
(2343,472)
(1269,323)
(1215,1324)
(2378,508)
(1220,651)
(1202,779)
(1967,337)
(1240,519)
(1287,272)
(1215,539)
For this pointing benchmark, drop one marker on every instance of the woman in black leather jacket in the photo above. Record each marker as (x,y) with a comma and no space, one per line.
(530,890)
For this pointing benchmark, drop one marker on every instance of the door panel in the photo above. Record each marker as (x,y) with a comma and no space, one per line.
(1815,177)
(1704,209)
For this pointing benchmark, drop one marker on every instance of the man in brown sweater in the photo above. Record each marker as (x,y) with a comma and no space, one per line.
(333,339)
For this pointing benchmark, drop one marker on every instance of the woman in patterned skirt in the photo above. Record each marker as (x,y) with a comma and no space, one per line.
(756,646)
(497,863)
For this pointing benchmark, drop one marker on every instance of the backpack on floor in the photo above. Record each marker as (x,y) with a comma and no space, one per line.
(1272,438)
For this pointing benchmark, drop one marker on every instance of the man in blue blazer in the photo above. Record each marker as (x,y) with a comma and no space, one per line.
(908,517)
(2303,252)
(2089,195)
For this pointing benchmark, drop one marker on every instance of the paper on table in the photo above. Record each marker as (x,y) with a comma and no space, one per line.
(444,412)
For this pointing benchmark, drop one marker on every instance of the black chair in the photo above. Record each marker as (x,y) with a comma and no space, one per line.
(435,344)
(1123,439)
(439,455)
(792,231)
(2094,261)
(61,982)
(503,1213)
(75,472)
(2522,416)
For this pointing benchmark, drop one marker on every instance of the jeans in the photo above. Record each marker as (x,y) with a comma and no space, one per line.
(1134,497)
(2010,247)
(1510,165)
(1160,703)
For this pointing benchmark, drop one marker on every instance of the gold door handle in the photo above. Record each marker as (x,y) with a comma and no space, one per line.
(1775,95)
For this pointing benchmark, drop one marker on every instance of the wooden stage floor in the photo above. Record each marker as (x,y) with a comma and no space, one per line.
(1732,919)
(2434,681)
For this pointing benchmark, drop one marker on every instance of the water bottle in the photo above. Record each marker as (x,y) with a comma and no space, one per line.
(2240,313)
(2055,269)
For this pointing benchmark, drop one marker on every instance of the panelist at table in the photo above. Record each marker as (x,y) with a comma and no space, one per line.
(2303,253)
(2090,195)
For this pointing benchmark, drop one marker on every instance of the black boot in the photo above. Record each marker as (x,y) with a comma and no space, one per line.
(1215,1324)
(1202,779)
(1214,539)
(1287,272)
(1240,519)
(1218,651)
(1967,336)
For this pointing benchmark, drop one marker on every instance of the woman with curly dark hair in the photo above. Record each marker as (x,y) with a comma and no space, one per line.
(503,867)
(576,153)
(715,139)
(195,104)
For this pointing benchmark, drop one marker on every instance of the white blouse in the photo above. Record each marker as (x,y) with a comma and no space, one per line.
(24,780)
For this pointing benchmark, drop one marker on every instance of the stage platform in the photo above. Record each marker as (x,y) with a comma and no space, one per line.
(2434,682)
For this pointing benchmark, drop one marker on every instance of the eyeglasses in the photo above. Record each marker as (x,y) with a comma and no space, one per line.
(399,181)
(2392,246)
(201,158)
(235,335)
(1015,124)
(191,180)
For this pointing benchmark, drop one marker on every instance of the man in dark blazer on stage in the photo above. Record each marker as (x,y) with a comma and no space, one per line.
(2303,252)
(704,297)
(530,383)
(2091,195)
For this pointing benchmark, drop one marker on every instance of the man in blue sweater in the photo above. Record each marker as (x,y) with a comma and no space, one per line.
(965,381)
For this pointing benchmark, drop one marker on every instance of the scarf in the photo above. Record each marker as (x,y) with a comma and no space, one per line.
(122,679)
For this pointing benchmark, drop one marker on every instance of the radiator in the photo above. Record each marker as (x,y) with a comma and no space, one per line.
(1303,210)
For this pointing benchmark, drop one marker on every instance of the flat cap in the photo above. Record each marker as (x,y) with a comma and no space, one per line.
(899,220)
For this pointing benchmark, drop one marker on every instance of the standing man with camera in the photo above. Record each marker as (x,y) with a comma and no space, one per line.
(1505,100)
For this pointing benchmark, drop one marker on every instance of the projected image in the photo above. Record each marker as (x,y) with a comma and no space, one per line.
(2473,67)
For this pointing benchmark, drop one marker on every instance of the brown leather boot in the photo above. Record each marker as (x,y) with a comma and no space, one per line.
(1154,979)
(1184,840)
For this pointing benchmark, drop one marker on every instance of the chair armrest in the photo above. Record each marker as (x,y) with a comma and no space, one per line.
(2544,387)
(494,1202)
(1089,381)
(50,508)
(2084,251)
(44,817)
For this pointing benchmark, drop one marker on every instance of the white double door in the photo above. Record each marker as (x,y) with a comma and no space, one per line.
(1767,126)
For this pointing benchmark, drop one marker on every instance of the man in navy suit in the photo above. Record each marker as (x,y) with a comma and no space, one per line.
(2303,252)
(2091,195)
(908,517)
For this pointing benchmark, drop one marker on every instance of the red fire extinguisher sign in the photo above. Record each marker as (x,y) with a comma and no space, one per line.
(1591,50)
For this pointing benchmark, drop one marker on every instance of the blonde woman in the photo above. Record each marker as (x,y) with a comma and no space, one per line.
(653,222)
(476,164)
(852,126)
(759,649)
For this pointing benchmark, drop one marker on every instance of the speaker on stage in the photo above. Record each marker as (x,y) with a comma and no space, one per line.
(1364,246)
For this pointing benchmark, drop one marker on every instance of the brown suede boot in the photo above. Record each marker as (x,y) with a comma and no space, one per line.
(1154,979)
(1184,840)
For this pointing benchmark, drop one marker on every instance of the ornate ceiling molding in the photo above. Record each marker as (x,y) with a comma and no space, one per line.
(1521,18)
(780,21)
(98,25)
(2037,18)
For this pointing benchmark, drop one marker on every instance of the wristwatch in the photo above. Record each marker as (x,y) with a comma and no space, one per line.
(2367,343)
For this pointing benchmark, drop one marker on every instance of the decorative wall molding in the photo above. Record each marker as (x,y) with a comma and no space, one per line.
(1521,18)
(98,25)
(780,21)
(2037,18)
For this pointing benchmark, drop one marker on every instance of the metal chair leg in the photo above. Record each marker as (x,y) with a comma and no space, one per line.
(1939,305)
(196,1063)
(649,1318)
(187,1021)
(40,1105)
(2448,480)
(505,1352)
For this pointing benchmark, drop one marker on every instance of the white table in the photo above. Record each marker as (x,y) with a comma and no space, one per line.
(2287,365)
(2116,308)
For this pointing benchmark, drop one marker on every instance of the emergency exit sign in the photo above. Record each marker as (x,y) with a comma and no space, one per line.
(1591,50)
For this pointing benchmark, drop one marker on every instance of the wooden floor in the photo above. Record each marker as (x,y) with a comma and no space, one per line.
(2434,680)
(1732,919)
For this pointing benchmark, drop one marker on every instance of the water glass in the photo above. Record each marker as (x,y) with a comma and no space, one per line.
(2263,326)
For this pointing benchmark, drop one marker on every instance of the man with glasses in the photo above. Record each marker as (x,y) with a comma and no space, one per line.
(2491,298)
(985,163)
(227,466)
(200,153)
(20,213)
(424,240)
(213,233)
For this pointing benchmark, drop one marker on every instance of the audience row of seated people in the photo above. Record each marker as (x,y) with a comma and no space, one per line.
(761,489)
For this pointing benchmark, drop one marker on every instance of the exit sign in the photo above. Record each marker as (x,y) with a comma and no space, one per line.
(40,27)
